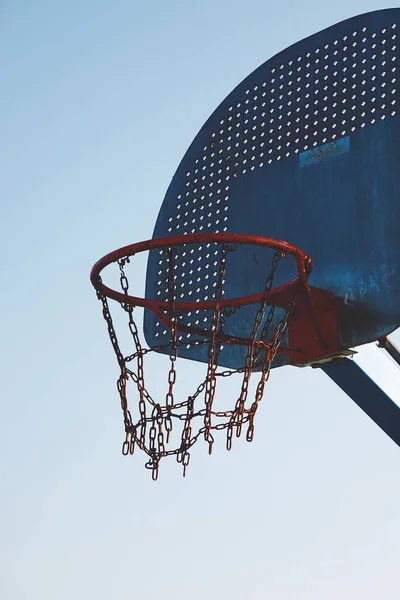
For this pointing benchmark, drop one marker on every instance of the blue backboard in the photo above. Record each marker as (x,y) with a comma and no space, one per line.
(306,149)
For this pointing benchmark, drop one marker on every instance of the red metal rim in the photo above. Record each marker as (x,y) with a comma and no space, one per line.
(281,295)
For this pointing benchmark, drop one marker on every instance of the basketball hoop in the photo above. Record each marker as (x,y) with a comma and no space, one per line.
(310,309)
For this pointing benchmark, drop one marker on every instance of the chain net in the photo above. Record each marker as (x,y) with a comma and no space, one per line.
(151,430)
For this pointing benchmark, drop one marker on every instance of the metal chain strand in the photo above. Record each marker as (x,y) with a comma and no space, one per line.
(121,382)
(152,430)
(173,350)
(267,363)
(166,346)
(213,348)
(237,417)
(136,340)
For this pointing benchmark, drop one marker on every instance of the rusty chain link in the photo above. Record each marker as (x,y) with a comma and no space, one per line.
(173,349)
(213,349)
(139,355)
(237,417)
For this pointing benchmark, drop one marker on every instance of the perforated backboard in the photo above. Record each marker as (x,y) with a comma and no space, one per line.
(306,149)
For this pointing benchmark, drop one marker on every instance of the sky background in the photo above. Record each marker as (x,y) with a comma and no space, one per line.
(99,101)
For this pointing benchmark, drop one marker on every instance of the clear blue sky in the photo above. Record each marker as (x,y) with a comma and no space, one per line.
(99,101)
